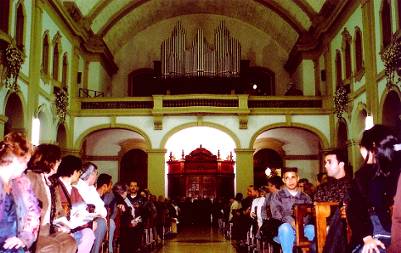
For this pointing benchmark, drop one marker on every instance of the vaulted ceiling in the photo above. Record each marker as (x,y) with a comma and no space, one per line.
(117,21)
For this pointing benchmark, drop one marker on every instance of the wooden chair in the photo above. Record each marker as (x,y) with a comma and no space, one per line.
(320,211)
(300,211)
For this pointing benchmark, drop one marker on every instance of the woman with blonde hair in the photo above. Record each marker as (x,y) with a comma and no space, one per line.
(19,209)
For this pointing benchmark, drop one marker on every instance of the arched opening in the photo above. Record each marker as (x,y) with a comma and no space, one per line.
(61,138)
(339,79)
(292,147)
(263,159)
(260,82)
(14,114)
(56,59)
(45,129)
(392,112)
(45,54)
(342,143)
(107,147)
(385,16)
(358,50)
(64,71)
(208,164)
(4,15)
(19,28)
(134,166)
(348,67)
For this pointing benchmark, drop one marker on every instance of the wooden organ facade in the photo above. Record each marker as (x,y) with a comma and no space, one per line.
(200,174)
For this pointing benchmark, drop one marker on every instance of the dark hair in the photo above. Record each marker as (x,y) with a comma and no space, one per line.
(338,153)
(239,196)
(380,140)
(303,181)
(44,158)
(276,181)
(69,164)
(288,169)
(103,179)
(87,169)
(320,176)
(119,188)
(14,143)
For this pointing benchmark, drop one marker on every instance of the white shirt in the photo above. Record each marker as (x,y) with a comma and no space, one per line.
(91,196)
(259,204)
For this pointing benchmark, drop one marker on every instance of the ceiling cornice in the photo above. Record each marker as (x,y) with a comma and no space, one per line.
(330,20)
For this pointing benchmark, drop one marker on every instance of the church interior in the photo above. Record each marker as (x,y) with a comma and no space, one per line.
(215,90)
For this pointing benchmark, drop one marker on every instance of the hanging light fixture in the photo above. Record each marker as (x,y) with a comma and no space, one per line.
(391,58)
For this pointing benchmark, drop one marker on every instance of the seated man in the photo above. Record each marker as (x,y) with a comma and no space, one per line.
(336,188)
(281,207)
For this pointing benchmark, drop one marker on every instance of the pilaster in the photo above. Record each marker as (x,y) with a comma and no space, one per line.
(244,169)
(369,56)
(156,171)
(3,120)
(34,63)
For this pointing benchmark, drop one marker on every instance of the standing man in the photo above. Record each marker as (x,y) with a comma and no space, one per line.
(137,203)
(338,185)
(281,207)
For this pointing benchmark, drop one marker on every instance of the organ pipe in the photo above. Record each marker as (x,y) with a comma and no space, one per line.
(200,58)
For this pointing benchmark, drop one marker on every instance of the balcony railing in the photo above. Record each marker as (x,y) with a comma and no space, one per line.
(201,103)
(87,93)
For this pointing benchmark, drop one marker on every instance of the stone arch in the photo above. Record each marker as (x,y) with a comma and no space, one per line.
(79,141)
(61,137)
(358,121)
(14,111)
(391,110)
(205,124)
(44,117)
(324,141)
(295,146)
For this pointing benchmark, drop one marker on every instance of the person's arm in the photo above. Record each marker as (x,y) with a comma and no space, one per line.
(28,211)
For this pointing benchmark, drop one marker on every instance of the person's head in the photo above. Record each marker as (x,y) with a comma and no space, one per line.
(322,177)
(334,163)
(104,183)
(263,190)
(45,159)
(274,183)
(290,178)
(70,167)
(239,197)
(120,189)
(133,187)
(379,146)
(89,173)
(251,191)
(15,151)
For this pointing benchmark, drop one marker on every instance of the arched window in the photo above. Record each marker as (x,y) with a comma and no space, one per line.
(385,16)
(348,60)
(338,69)
(358,50)
(45,54)
(56,56)
(19,28)
(64,71)
(4,15)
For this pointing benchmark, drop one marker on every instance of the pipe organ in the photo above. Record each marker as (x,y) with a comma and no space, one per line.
(222,59)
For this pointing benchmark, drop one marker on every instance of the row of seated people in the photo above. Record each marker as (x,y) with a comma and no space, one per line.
(50,203)
(343,215)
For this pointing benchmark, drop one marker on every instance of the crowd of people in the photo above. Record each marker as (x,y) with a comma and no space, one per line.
(50,203)
(369,204)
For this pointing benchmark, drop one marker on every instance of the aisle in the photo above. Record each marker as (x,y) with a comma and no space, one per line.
(198,239)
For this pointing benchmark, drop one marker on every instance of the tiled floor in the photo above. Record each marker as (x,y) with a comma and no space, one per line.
(197,239)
